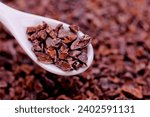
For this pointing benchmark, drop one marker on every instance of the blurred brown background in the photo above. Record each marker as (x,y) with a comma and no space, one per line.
(121,67)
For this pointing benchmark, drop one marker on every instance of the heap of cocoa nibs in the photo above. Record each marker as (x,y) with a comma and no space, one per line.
(59,46)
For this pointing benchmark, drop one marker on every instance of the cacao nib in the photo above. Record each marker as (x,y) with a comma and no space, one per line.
(81,43)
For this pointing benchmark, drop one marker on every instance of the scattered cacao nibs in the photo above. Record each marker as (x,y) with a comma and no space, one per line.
(121,42)
(59,44)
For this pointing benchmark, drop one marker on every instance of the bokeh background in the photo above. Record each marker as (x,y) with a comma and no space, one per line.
(121,41)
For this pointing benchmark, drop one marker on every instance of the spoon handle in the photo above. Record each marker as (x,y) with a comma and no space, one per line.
(6,15)
(4,12)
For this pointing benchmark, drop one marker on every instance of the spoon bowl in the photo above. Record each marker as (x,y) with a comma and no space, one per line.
(17,22)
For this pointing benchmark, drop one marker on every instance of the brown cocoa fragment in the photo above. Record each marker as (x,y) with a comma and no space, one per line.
(38,86)
(3,84)
(83,57)
(74,28)
(64,48)
(66,34)
(132,90)
(58,27)
(64,65)
(41,26)
(81,43)
(76,65)
(42,34)
(31,30)
(52,53)
(75,53)
(43,58)
(62,55)
(53,42)
(53,34)
(36,48)
(69,38)
(48,29)
(33,37)
(49,42)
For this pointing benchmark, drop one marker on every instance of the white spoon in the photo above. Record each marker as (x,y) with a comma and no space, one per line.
(17,22)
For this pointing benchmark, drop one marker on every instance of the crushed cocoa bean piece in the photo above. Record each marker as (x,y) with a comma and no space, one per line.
(53,42)
(75,53)
(69,38)
(64,65)
(83,57)
(62,55)
(132,90)
(3,84)
(31,30)
(52,53)
(49,42)
(42,34)
(74,28)
(76,65)
(38,87)
(63,33)
(44,58)
(53,34)
(81,43)
(36,48)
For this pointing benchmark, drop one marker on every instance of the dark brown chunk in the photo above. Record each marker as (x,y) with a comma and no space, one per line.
(52,53)
(49,42)
(53,42)
(41,26)
(33,37)
(53,34)
(69,38)
(31,30)
(64,65)
(63,55)
(76,65)
(64,48)
(132,90)
(62,33)
(58,27)
(83,57)
(44,58)
(81,43)
(74,28)
(36,48)
(75,53)
(48,29)
(42,34)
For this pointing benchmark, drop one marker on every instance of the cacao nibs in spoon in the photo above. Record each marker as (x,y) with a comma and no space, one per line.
(59,46)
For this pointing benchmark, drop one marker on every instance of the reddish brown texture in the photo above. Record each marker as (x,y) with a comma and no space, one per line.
(51,45)
(74,28)
(121,66)
(133,90)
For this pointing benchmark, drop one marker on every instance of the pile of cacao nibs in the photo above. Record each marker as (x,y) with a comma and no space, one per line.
(58,46)
(121,66)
